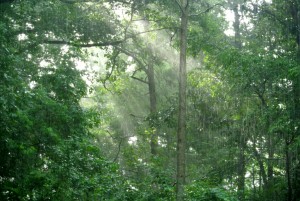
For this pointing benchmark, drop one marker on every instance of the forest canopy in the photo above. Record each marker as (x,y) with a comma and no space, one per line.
(150,100)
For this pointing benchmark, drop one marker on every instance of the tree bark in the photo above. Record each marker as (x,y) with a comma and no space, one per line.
(262,171)
(181,132)
(241,167)
(270,157)
(242,143)
(294,184)
(236,26)
(288,171)
(153,108)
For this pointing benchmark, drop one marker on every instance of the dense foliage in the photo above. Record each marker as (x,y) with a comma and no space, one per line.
(89,100)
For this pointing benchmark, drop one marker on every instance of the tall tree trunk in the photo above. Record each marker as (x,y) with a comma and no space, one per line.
(241,170)
(288,170)
(152,92)
(153,108)
(236,27)
(270,147)
(294,10)
(270,157)
(181,132)
(262,172)
(242,145)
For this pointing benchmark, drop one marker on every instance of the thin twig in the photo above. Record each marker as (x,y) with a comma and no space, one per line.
(179,5)
(139,79)
(206,11)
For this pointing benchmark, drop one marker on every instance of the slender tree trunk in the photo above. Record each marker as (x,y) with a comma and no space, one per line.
(181,132)
(270,158)
(288,171)
(236,26)
(262,171)
(153,108)
(253,183)
(241,167)
(152,93)
(295,183)
(242,145)
(270,148)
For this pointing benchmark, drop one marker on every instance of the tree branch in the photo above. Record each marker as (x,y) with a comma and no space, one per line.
(103,44)
(131,54)
(100,44)
(207,10)
(139,79)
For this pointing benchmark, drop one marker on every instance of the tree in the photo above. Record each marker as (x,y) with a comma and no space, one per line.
(48,152)
(238,103)
(181,133)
